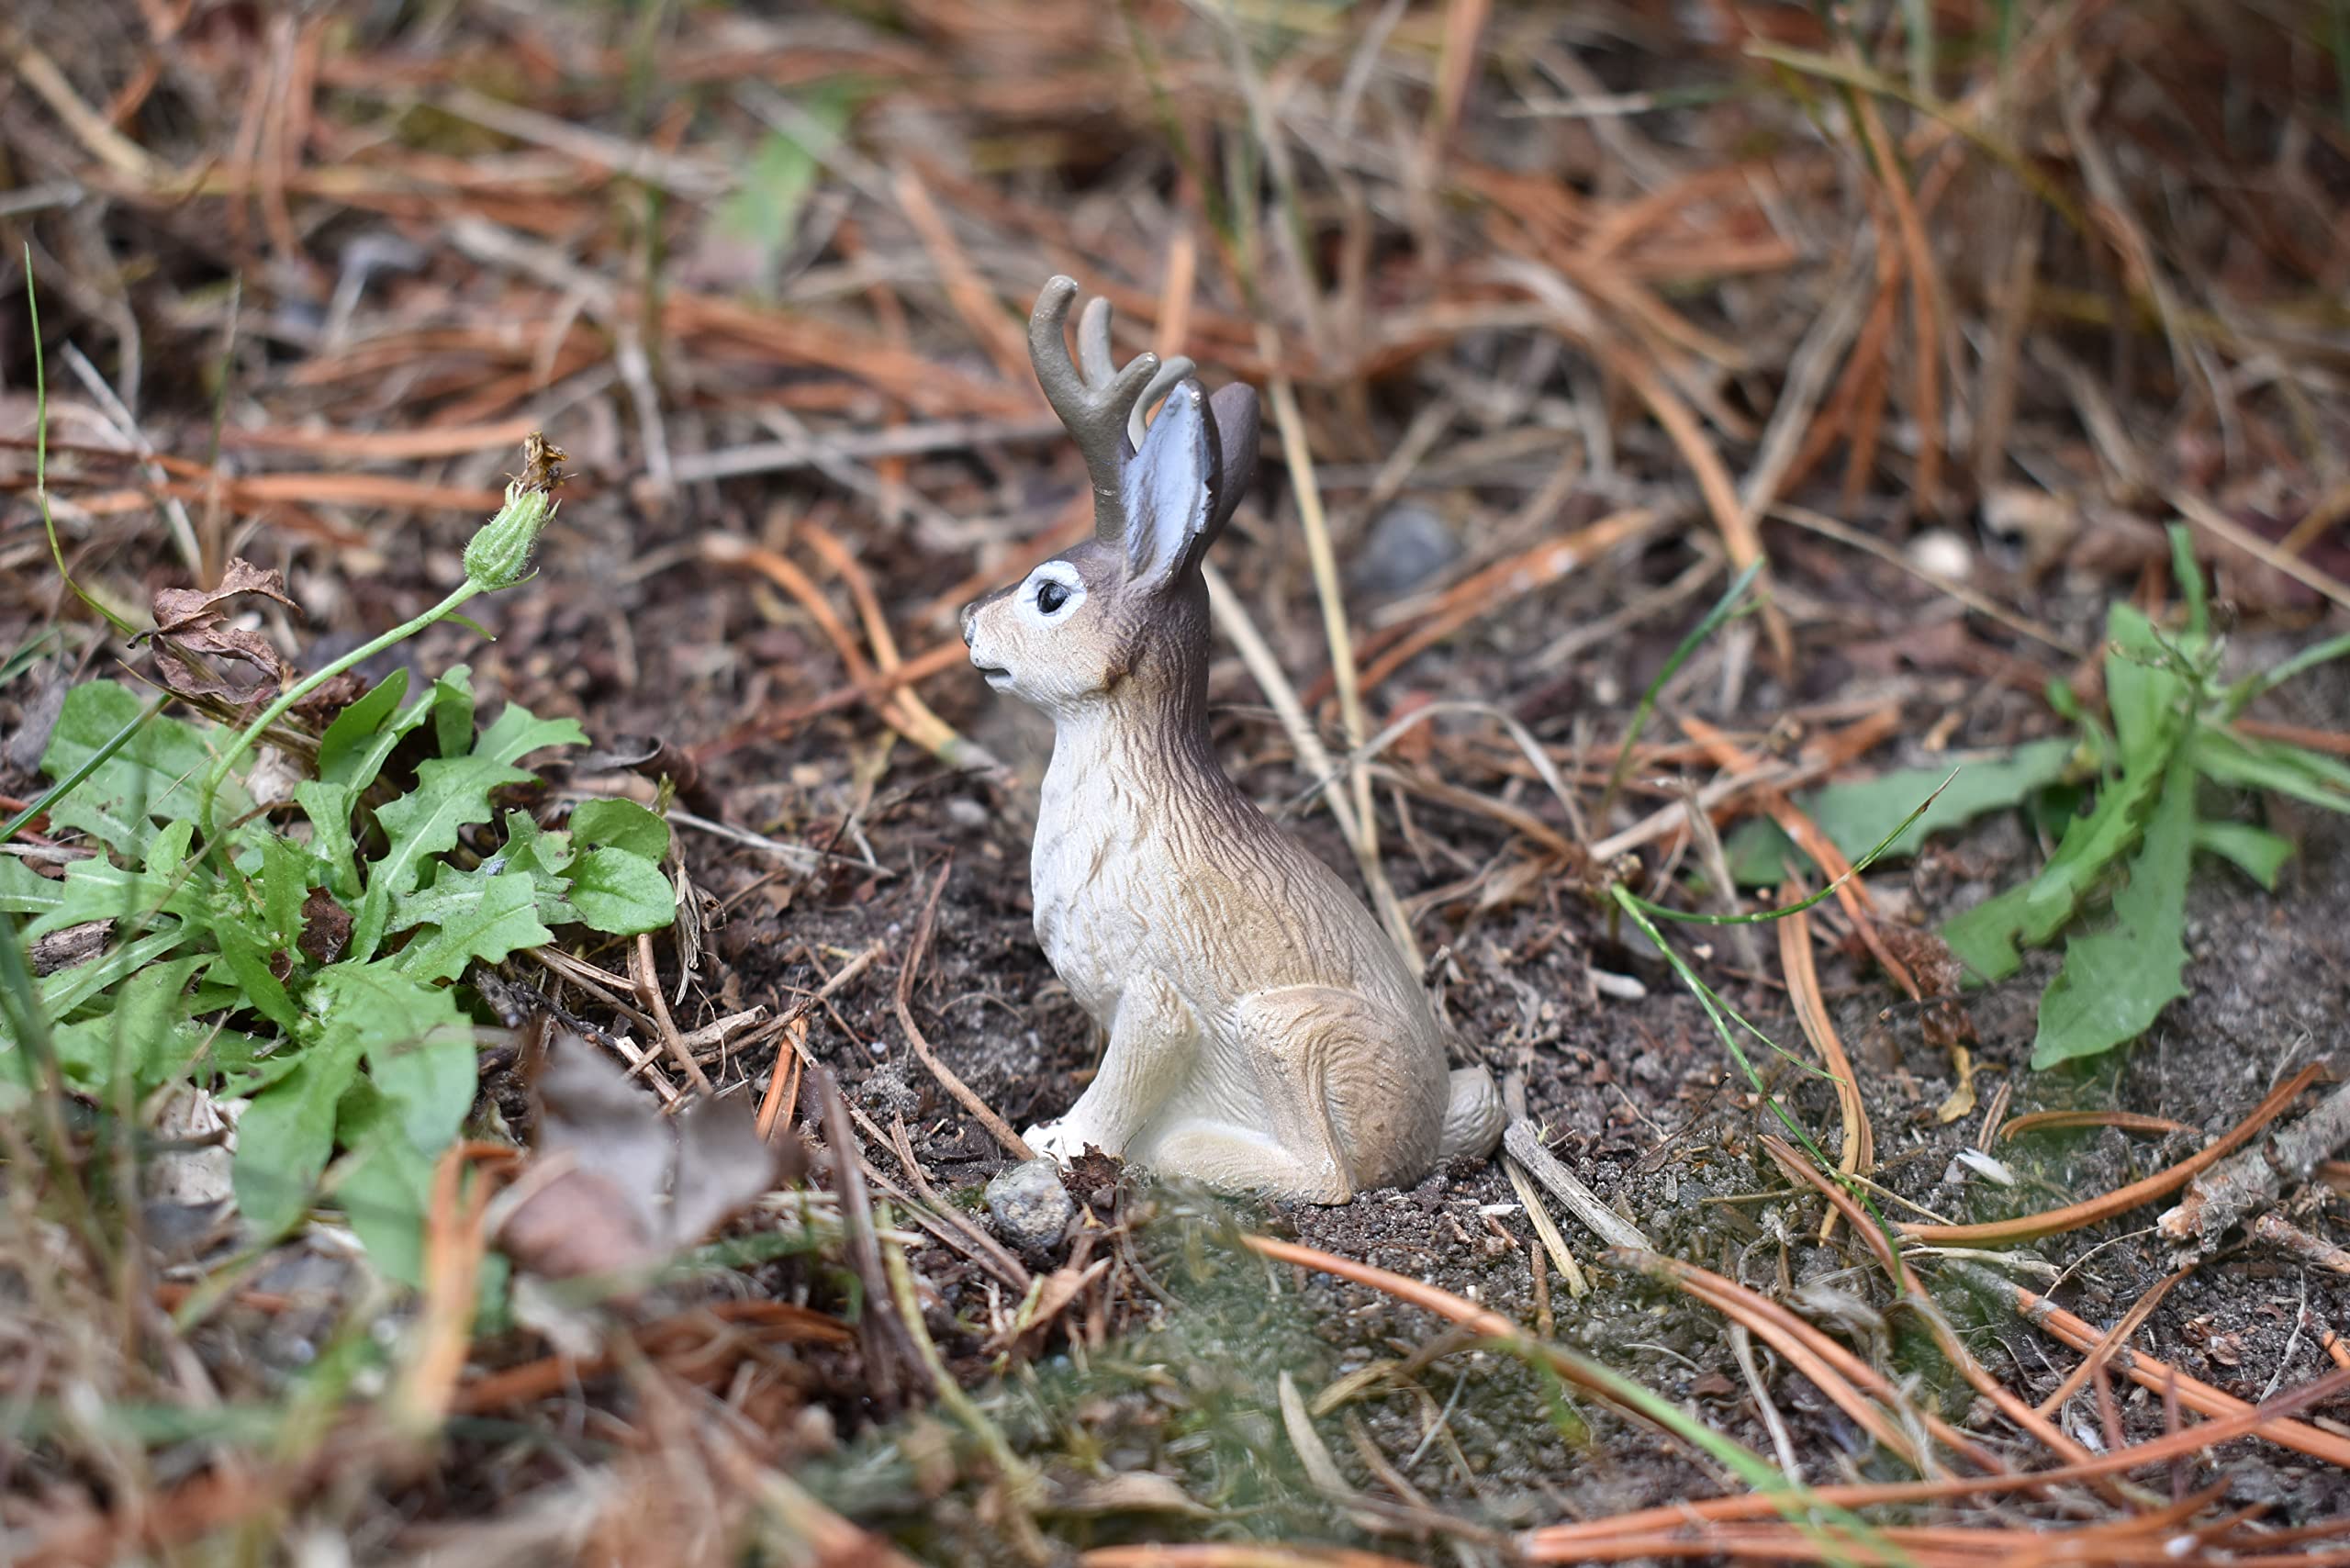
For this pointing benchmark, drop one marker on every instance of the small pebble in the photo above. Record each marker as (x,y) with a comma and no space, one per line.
(1942,552)
(1407,544)
(1032,1209)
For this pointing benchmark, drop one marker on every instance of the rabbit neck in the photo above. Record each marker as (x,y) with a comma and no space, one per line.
(1133,757)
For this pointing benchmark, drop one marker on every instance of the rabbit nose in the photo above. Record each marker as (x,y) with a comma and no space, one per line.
(968,611)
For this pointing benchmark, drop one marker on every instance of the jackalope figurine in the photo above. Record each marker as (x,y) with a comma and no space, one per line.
(1265,1033)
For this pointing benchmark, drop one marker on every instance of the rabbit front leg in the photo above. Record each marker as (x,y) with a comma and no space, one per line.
(1153,1040)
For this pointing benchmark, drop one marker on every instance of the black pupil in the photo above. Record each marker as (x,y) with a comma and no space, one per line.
(1050,596)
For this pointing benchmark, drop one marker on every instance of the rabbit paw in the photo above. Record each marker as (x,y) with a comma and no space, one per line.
(1062,1140)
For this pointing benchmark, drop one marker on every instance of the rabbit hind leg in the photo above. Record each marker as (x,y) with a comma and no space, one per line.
(1234,1160)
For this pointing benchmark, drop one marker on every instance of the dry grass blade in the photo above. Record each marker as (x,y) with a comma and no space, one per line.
(455,1244)
(1859,1154)
(2121,1200)
(1913,1296)
(1831,1369)
(2055,1121)
(1484,592)
(2131,1321)
(2161,1376)
(1236,1555)
(1851,893)
(1233,616)
(1524,1142)
(894,701)
(1364,840)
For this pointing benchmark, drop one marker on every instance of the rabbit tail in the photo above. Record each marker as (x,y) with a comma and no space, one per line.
(1473,1115)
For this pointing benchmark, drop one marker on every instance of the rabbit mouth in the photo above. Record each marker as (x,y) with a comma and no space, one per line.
(994,675)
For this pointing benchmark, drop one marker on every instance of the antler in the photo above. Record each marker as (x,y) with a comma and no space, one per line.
(1100,403)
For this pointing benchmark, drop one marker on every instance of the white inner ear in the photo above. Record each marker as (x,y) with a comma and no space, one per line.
(1059,571)
(1167,488)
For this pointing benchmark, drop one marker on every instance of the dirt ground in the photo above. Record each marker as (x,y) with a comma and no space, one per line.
(1518,277)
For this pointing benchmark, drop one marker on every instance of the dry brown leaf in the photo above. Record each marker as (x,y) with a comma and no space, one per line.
(191,626)
(616,1189)
(326,928)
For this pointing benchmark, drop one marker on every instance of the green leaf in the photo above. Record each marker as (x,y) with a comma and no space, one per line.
(155,776)
(623,825)
(2257,852)
(329,807)
(2228,758)
(146,1022)
(453,711)
(1856,817)
(419,1047)
(762,212)
(473,916)
(385,1185)
(2117,980)
(97,889)
(246,961)
(451,793)
(2252,686)
(2146,693)
(622,893)
(1985,938)
(247,1063)
(356,732)
(284,883)
(529,847)
(66,990)
(24,890)
(287,1134)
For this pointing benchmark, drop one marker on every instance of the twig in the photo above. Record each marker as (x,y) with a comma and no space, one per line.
(889,1347)
(2213,1204)
(2277,1231)
(1524,1142)
(946,1075)
(648,980)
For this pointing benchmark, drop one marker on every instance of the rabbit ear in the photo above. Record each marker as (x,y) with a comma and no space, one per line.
(1170,488)
(1233,411)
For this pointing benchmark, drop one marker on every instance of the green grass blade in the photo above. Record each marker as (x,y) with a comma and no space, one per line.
(1720,612)
(90,765)
(2190,580)
(41,457)
(1688,917)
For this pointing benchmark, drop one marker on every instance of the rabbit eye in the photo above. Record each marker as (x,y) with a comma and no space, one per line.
(1051,596)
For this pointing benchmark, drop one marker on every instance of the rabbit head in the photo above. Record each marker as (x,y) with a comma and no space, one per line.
(1127,608)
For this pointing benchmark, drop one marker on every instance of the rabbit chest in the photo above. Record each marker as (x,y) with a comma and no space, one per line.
(1136,867)
(1106,891)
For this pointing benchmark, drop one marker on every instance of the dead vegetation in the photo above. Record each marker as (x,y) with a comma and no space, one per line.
(1931,315)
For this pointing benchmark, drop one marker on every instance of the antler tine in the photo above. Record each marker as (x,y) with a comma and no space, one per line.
(1094,401)
(1093,340)
(1169,373)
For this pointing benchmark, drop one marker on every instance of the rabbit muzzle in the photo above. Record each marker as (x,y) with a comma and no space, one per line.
(974,639)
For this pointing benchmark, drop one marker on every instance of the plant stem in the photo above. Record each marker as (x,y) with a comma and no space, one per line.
(252,732)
